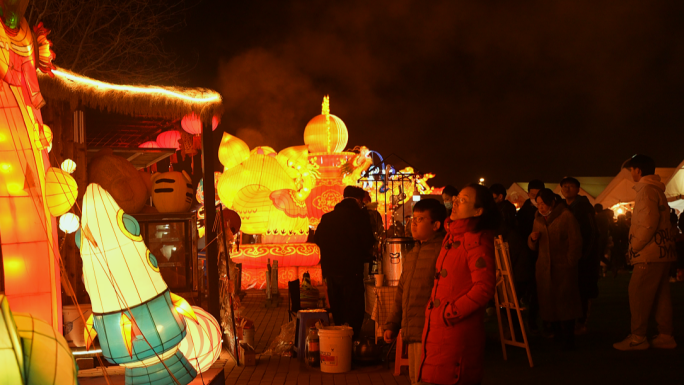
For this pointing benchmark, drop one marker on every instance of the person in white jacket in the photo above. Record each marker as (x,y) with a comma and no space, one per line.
(651,251)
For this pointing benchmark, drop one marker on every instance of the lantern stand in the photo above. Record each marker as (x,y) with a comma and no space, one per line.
(210,218)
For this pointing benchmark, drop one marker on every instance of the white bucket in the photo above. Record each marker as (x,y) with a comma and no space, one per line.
(73,324)
(336,348)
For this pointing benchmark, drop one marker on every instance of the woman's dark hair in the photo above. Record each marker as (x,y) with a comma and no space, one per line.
(548,197)
(491,217)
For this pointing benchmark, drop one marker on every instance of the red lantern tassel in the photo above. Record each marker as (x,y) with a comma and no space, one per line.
(174,158)
(197,142)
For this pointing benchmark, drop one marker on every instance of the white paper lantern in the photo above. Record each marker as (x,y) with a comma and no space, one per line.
(69,166)
(202,343)
(69,223)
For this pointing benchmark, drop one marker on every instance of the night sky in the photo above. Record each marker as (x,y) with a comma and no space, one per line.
(506,90)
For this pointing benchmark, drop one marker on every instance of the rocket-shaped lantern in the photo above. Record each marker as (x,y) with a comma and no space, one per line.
(140,323)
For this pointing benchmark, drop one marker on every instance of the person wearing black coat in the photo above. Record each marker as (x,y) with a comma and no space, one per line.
(590,264)
(346,239)
(525,218)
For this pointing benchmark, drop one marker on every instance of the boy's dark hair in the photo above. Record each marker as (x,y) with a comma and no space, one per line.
(598,208)
(436,210)
(450,190)
(569,179)
(491,217)
(535,184)
(498,189)
(643,162)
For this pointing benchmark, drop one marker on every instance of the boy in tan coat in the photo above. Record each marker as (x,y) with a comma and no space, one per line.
(651,251)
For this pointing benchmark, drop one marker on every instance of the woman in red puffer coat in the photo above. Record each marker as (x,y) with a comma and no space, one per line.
(454,336)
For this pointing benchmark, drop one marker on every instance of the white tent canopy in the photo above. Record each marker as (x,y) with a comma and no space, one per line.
(674,189)
(590,187)
(620,189)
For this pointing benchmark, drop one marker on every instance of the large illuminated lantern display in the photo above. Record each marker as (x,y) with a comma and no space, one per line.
(326,136)
(268,190)
(29,189)
(139,322)
(279,196)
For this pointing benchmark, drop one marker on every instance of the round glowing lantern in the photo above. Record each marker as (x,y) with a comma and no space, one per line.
(202,343)
(149,144)
(326,133)
(192,124)
(232,151)
(47,357)
(69,166)
(253,204)
(169,139)
(61,191)
(259,169)
(69,223)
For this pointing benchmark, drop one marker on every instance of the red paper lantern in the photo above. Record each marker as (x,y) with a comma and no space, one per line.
(149,144)
(192,124)
(169,139)
(215,122)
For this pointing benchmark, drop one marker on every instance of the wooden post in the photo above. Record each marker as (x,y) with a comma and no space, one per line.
(208,153)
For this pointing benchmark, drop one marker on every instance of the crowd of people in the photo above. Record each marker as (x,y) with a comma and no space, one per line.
(559,247)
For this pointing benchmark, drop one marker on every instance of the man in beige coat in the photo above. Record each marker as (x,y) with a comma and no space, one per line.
(417,279)
(651,251)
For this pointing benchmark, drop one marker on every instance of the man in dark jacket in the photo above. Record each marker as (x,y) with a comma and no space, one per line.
(525,218)
(417,279)
(345,238)
(519,252)
(590,264)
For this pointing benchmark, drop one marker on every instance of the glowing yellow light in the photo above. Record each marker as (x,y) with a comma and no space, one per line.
(3,138)
(183,307)
(89,331)
(481,180)
(15,188)
(14,266)
(5,167)
(69,166)
(127,332)
(620,211)
(145,90)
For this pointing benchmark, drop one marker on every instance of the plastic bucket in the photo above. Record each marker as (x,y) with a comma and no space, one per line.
(73,324)
(336,348)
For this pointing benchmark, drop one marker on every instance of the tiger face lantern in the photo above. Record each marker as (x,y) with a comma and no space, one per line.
(172,191)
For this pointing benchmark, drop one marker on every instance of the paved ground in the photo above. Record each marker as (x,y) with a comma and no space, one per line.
(277,370)
(593,362)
